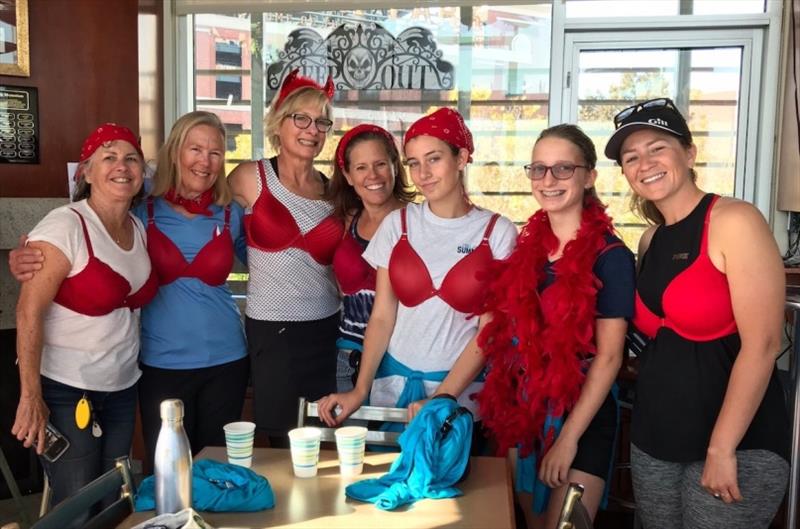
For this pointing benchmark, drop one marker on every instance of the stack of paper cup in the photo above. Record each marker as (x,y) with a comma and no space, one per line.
(239,442)
(350,442)
(304,443)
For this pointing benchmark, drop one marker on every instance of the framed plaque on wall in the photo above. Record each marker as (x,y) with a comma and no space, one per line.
(19,125)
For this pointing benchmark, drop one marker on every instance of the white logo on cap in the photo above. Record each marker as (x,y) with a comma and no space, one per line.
(658,121)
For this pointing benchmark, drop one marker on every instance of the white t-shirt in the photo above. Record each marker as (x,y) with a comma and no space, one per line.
(96,353)
(432,335)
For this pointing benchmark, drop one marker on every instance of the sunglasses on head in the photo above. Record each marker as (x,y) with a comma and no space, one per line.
(625,113)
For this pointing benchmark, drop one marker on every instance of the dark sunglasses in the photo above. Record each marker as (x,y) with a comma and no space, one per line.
(560,171)
(625,113)
(354,360)
(302,121)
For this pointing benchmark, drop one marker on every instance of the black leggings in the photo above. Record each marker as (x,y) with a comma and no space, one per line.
(212,397)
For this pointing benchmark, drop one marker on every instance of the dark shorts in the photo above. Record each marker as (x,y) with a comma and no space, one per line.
(289,360)
(596,445)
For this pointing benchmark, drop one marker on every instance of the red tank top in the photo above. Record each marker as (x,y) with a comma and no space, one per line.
(696,303)
(461,288)
(272,228)
(98,289)
(352,272)
(211,265)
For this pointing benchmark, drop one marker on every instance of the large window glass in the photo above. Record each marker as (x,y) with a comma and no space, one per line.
(651,8)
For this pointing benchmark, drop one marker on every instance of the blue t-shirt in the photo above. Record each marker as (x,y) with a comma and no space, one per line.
(190,324)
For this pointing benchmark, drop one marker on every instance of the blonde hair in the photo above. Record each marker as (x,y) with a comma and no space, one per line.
(306,96)
(168,173)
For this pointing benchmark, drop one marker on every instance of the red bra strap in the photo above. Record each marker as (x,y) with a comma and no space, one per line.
(611,246)
(227,216)
(85,233)
(403,222)
(489,227)
(262,174)
(704,240)
(150,220)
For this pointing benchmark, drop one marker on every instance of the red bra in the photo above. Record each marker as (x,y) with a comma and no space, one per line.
(98,289)
(352,272)
(272,228)
(696,303)
(211,265)
(461,288)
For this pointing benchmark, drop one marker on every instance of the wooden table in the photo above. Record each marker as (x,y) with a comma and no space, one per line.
(320,501)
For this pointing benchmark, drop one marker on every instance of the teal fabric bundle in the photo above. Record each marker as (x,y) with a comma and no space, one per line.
(217,487)
(434,456)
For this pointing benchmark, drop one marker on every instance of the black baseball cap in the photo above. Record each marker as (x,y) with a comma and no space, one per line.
(660,114)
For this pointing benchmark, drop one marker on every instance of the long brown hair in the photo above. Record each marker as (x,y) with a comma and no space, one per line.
(343,196)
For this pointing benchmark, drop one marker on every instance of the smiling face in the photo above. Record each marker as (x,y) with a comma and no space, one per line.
(201,159)
(434,169)
(302,143)
(656,164)
(553,195)
(115,172)
(371,172)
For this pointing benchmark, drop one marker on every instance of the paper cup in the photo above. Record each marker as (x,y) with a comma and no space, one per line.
(239,442)
(350,444)
(304,444)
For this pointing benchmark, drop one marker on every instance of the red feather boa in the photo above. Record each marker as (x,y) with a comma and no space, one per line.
(534,343)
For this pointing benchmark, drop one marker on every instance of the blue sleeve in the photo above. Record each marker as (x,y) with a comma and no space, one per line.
(237,231)
(140,211)
(616,271)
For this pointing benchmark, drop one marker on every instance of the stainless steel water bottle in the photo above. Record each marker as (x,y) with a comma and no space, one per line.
(173,463)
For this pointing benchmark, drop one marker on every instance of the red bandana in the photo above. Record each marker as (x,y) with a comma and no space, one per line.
(535,342)
(106,133)
(353,133)
(198,206)
(445,124)
(294,81)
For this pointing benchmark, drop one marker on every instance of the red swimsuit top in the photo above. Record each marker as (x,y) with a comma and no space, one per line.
(696,303)
(461,288)
(98,289)
(272,228)
(352,272)
(211,265)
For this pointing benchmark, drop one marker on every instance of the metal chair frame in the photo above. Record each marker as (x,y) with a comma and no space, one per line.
(306,409)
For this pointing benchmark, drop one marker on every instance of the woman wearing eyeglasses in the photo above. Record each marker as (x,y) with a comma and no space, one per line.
(292,298)
(710,432)
(432,261)
(558,310)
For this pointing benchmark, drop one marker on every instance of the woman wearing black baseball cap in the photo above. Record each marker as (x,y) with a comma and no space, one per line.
(710,432)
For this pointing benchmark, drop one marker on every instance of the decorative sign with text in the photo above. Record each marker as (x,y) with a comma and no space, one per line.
(19,125)
(365,57)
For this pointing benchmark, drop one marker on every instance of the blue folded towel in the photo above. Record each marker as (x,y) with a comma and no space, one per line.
(434,455)
(217,487)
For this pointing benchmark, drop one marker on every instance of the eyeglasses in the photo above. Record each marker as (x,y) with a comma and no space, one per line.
(560,171)
(302,121)
(662,102)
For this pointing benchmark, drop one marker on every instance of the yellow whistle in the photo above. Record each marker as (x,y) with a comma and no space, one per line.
(83,413)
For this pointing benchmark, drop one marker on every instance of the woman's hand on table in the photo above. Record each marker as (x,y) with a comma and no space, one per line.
(556,463)
(32,414)
(719,476)
(23,261)
(347,403)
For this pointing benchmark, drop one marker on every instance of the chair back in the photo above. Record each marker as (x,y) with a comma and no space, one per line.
(306,409)
(573,513)
(80,502)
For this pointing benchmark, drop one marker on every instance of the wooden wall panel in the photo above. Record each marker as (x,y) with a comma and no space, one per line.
(84,62)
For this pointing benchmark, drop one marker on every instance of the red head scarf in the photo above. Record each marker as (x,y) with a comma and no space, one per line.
(445,124)
(108,132)
(353,133)
(294,81)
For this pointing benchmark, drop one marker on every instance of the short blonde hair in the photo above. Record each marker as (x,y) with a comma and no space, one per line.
(168,173)
(306,96)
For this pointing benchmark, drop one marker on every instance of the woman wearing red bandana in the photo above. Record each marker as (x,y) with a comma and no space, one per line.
(368,183)
(431,260)
(292,234)
(192,342)
(78,317)
(558,310)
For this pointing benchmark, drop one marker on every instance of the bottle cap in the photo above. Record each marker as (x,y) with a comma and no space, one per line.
(172,410)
